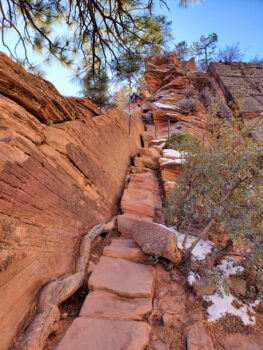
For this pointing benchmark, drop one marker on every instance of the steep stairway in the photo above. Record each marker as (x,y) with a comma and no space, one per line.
(122,284)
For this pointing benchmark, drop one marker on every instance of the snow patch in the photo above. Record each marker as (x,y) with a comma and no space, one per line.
(201,249)
(171,153)
(191,278)
(165,161)
(162,145)
(157,141)
(164,106)
(230,267)
(223,305)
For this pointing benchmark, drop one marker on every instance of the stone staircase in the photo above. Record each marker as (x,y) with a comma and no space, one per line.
(114,314)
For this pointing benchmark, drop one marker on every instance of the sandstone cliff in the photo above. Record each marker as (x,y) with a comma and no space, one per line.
(63,167)
(63,164)
(181,94)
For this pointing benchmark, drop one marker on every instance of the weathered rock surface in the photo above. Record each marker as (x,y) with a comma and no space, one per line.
(156,239)
(140,202)
(145,181)
(124,248)
(126,223)
(244,81)
(39,97)
(198,338)
(241,342)
(146,162)
(62,172)
(123,277)
(98,334)
(100,304)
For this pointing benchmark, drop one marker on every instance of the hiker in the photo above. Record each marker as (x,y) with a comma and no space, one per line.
(135,98)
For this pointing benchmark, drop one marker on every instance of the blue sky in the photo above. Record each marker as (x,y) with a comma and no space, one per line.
(233,21)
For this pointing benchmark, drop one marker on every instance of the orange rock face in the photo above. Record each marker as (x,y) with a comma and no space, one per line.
(62,171)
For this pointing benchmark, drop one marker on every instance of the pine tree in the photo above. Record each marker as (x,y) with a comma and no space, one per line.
(97,30)
(205,48)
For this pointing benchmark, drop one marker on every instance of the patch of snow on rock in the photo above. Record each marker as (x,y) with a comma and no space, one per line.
(157,141)
(230,267)
(164,106)
(223,305)
(171,153)
(201,249)
(191,278)
(166,161)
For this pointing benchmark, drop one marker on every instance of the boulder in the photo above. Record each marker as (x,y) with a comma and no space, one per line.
(126,223)
(147,137)
(140,170)
(173,310)
(156,239)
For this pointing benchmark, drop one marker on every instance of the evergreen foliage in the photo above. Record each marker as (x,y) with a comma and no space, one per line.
(182,50)
(96,88)
(205,48)
(91,33)
(222,188)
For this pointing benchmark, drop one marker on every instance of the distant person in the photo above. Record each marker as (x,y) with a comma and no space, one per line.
(135,98)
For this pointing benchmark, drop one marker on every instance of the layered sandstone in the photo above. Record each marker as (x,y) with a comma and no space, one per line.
(62,171)
(242,81)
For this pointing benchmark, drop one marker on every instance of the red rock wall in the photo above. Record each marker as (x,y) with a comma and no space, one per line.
(243,81)
(62,171)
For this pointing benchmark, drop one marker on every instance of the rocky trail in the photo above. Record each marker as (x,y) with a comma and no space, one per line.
(138,301)
(64,176)
(135,302)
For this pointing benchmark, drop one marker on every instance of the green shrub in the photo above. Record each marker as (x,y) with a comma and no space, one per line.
(222,188)
(182,142)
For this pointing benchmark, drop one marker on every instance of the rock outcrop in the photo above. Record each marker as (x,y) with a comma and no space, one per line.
(62,171)
(242,81)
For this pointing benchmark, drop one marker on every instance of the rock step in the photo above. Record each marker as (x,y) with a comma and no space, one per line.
(123,277)
(140,202)
(126,222)
(124,248)
(99,334)
(144,181)
(101,304)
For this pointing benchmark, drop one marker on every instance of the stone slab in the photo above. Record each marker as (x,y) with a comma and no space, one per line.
(98,334)
(123,277)
(126,223)
(101,304)
(124,248)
